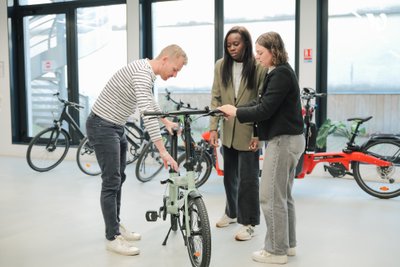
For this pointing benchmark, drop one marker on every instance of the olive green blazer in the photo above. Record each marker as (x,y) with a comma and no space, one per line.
(234,134)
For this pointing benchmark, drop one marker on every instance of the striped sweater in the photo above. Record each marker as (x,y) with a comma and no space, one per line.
(128,89)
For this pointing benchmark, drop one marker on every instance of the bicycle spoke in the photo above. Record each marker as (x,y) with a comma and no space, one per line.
(380,181)
(86,159)
(47,149)
(199,240)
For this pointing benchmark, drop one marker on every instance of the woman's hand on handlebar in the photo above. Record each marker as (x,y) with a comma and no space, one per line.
(228,110)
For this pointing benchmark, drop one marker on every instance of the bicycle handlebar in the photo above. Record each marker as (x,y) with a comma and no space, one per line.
(179,104)
(206,112)
(68,103)
(309,93)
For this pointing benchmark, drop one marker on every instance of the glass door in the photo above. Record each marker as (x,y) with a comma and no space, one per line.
(45,68)
(102,50)
(73,53)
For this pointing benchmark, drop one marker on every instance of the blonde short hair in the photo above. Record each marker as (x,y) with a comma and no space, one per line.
(173,50)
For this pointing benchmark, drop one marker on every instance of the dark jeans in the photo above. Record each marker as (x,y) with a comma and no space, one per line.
(241,182)
(110,145)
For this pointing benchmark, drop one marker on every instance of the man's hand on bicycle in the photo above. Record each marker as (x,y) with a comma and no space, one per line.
(171,126)
(169,161)
(165,156)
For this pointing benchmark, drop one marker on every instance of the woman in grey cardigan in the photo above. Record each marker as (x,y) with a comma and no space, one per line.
(237,79)
(279,120)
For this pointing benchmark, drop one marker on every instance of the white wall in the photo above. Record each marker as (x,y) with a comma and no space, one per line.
(308,40)
(307,70)
(6,148)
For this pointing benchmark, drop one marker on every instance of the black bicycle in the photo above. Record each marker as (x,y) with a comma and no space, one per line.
(140,149)
(50,146)
(202,151)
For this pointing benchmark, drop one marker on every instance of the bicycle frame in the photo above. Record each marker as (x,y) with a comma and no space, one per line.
(187,181)
(65,116)
(215,154)
(217,157)
(141,134)
(312,159)
(183,199)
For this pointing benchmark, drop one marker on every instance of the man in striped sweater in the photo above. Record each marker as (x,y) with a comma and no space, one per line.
(130,88)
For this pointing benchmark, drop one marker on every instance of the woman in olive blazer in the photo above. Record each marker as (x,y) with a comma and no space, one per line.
(237,79)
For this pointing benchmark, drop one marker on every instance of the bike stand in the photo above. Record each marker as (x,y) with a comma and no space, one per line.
(166,237)
(169,231)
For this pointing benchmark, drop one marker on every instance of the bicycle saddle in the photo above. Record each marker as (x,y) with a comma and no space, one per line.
(364,119)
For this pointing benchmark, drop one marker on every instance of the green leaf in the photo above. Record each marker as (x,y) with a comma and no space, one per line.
(335,127)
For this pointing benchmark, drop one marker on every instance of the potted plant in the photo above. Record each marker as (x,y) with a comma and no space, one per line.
(335,127)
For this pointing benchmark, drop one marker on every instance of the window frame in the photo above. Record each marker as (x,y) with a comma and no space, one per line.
(19,103)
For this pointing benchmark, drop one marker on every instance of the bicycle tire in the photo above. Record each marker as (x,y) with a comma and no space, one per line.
(149,163)
(86,158)
(202,168)
(132,154)
(47,149)
(380,182)
(134,141)
(198,243)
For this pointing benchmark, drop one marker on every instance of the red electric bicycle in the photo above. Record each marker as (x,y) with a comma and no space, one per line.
(374,165)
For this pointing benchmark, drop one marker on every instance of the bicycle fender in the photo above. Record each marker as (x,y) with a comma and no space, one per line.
(67,133)
(194,194)
(377,138)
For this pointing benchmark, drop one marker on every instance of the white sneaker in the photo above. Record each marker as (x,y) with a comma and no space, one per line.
(121,246)
(128,235)
(266,257)
(225,221)
(291,252)
(246,232)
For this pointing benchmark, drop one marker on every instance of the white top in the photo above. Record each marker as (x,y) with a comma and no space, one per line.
(237,75)
(130,88)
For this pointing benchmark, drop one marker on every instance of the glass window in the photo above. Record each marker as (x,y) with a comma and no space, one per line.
(190,24)
(364,46)
(45,68)
(364,62)
(260,16)
(102,50)
(37,2)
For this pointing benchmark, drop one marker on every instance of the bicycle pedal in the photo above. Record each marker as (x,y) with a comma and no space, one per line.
(151,216)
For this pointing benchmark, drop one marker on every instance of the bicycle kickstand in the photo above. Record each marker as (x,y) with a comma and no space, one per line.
(166,237)
(152,216)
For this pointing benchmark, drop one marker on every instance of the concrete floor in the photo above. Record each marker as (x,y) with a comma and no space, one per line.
(54,219)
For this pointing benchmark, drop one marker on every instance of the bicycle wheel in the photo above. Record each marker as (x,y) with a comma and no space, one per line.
(86,158)
(47,149)
(198,237)
(381,182)
(132,135)
(132,154)
(149,163)
(202,166)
